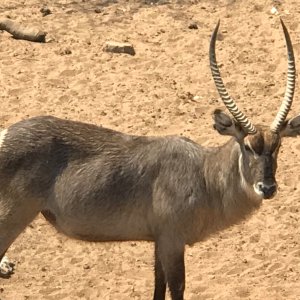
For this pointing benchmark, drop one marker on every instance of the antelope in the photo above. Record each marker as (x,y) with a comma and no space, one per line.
(97,184)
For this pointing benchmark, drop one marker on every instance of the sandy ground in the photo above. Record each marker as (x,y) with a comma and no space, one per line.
(152,93)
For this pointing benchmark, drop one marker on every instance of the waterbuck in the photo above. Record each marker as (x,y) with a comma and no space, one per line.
(97,184)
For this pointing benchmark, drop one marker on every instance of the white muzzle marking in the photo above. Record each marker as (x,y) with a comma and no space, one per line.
(257,190)
(6,267)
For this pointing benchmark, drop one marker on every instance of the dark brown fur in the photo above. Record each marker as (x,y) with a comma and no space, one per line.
(97,184)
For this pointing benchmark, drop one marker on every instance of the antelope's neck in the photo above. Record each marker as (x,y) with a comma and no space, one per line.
(227,186)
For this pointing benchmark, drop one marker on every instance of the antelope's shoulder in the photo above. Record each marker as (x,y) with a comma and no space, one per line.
(178,150)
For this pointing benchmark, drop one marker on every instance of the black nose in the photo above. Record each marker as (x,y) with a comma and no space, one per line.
(268,190)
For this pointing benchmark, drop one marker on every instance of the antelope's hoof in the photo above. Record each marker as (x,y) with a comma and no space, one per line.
(6,267)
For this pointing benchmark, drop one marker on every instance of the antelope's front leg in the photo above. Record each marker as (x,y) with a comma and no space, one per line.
(171,255)
(160,279)
(15,215)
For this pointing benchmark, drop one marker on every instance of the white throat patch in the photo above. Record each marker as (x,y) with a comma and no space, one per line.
(243,180)
(244,183)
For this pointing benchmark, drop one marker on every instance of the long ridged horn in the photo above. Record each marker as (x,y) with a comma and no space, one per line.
(228,101)
(290,85)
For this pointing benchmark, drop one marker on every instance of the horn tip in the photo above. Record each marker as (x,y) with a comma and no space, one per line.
(282,23)
(216,29)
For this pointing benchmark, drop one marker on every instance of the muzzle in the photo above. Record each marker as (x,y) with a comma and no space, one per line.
(266,190)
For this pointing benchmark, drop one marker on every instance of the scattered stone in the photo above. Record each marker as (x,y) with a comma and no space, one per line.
(98,10)
(220,37)
(117,47)
(274,11)
(193,25)
(86,266)
(196,98)
(45,11)
(70,11)
(65,51)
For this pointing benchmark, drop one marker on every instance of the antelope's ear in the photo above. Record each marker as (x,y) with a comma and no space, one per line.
(291,128)
(225,125)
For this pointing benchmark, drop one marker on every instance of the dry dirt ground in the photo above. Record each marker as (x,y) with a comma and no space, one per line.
(153,93)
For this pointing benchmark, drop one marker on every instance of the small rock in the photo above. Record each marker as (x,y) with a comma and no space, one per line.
(117,47)
(193,25)
(220,37)
(70,11)
(45,11)
(274,11)
(86,266)
(98,10)
(65,51)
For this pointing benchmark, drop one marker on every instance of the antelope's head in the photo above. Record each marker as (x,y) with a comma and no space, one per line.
(259,145)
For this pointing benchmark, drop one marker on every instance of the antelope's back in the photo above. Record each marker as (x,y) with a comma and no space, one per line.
(35,151)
